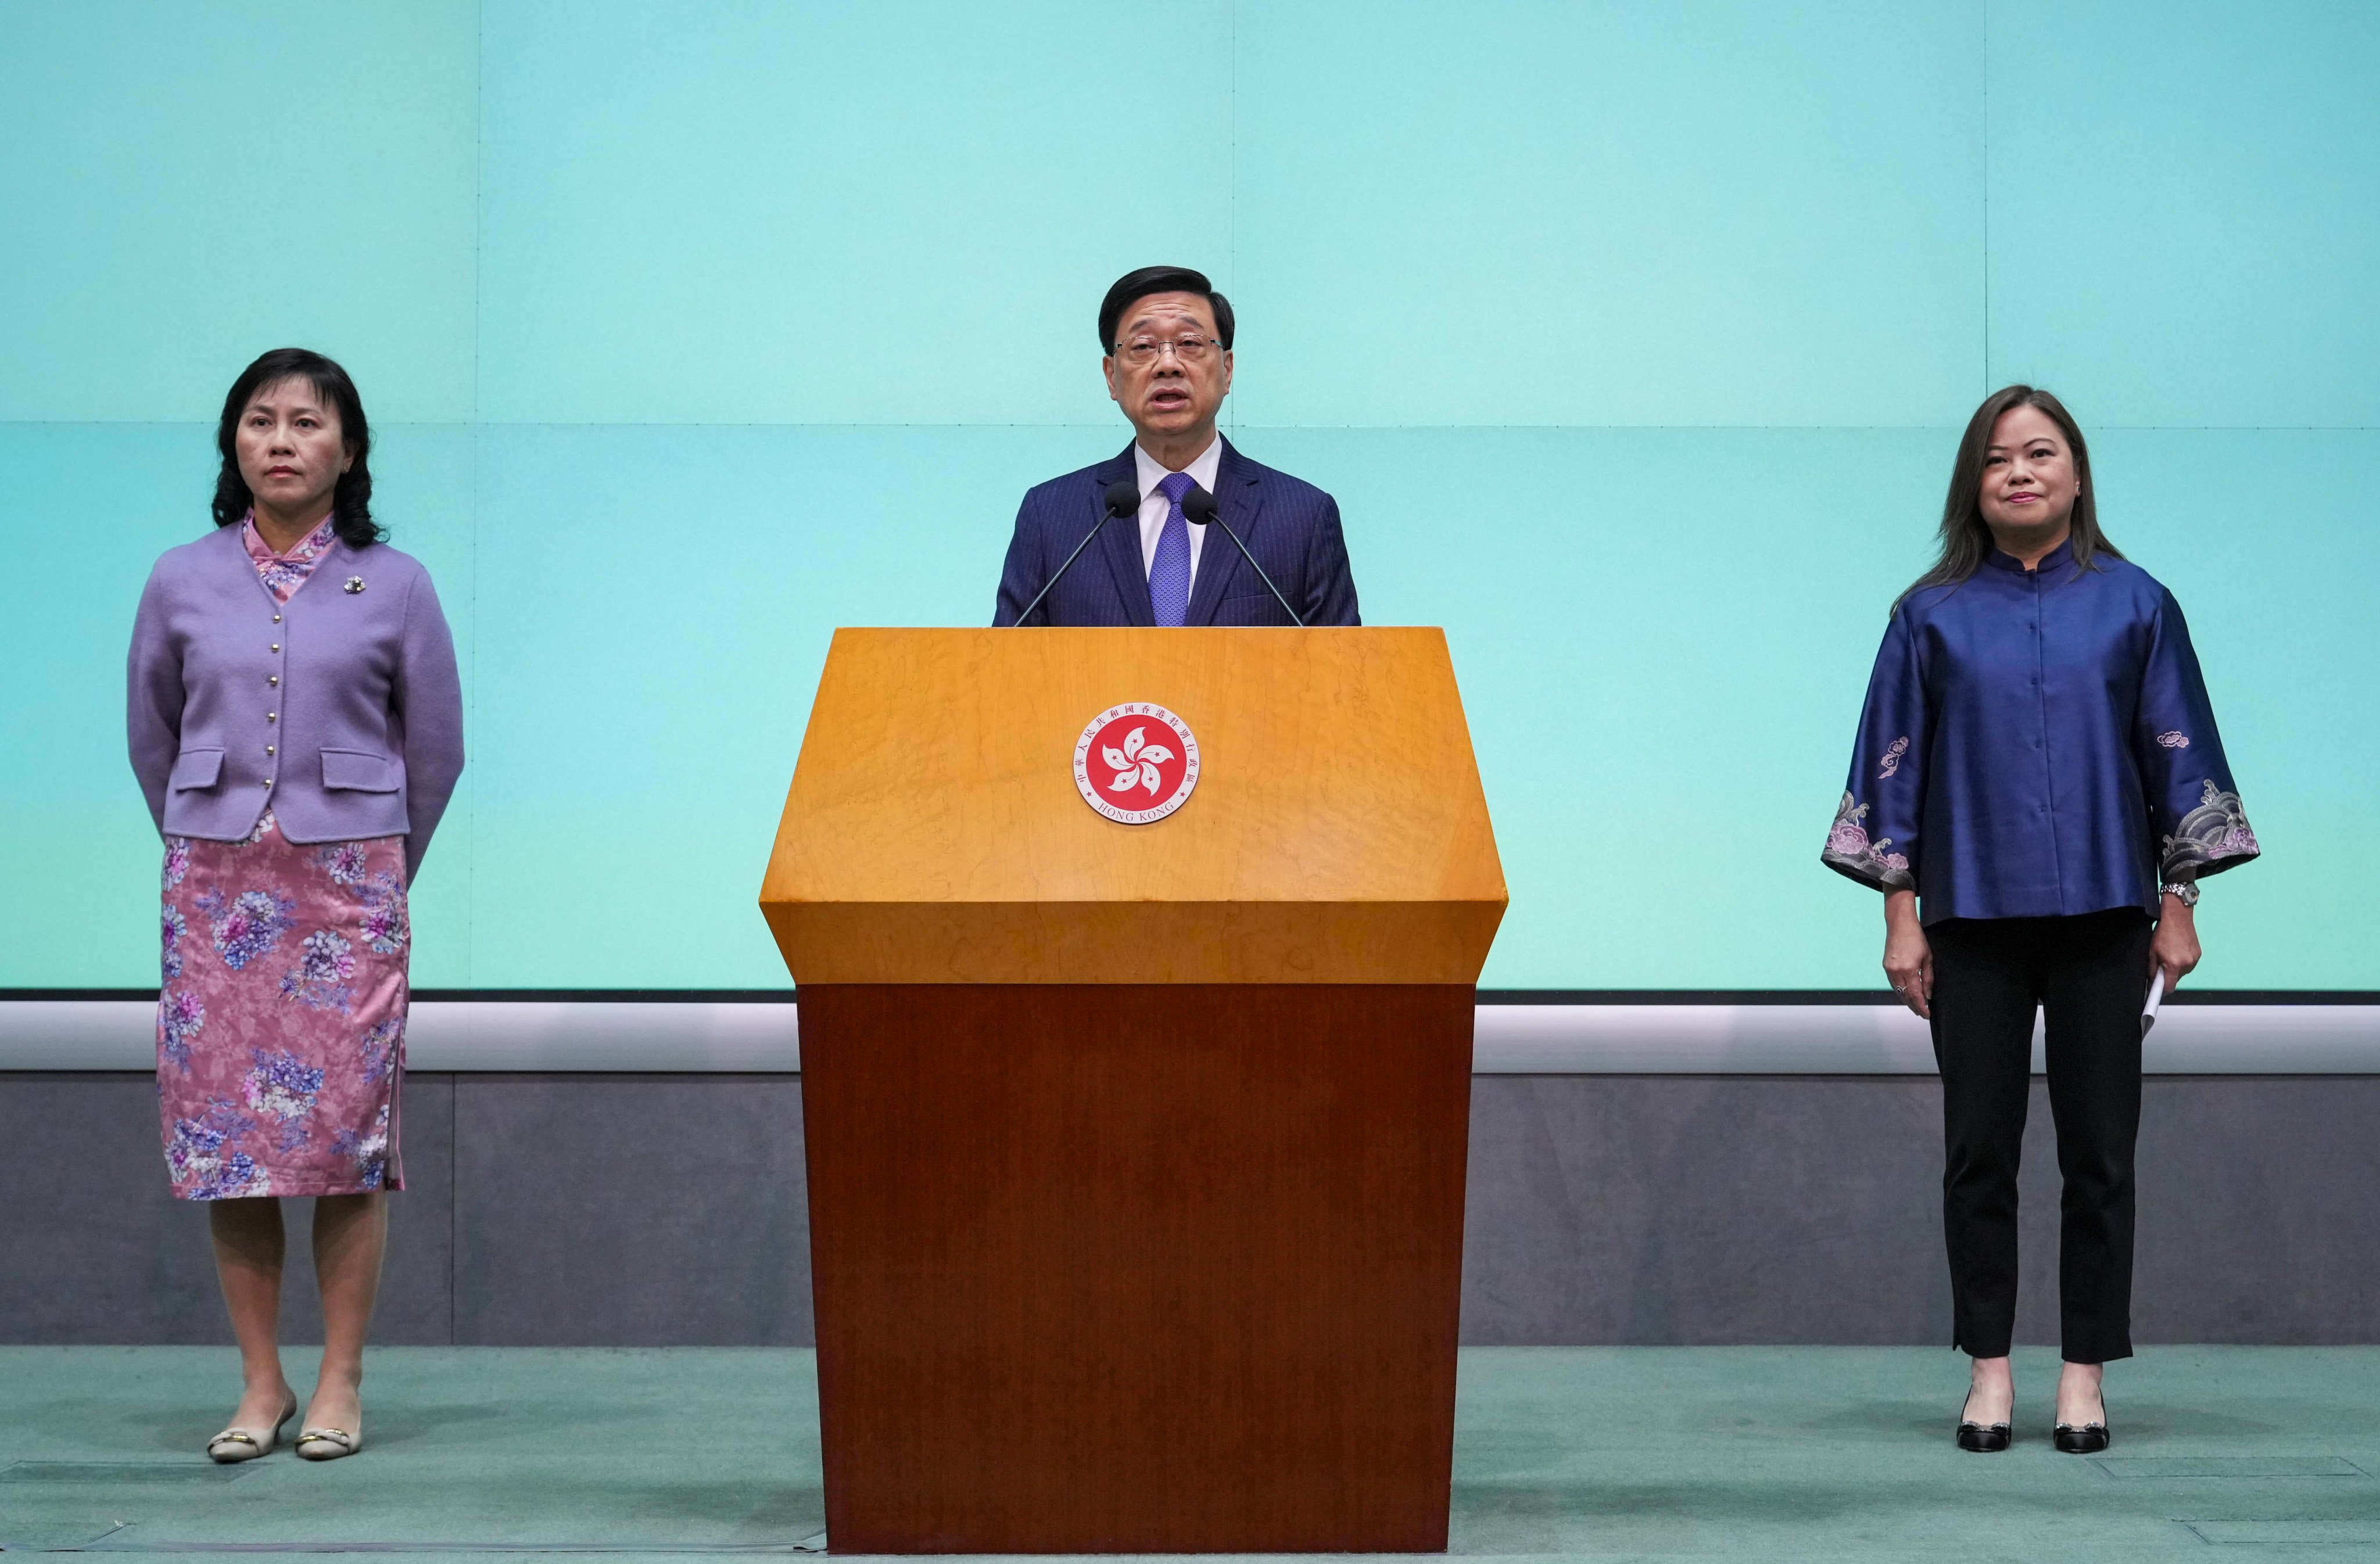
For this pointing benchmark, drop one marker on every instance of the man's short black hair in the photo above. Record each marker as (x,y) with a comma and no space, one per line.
(1159,279)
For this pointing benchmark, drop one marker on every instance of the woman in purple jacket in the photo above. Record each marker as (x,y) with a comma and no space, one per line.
(297,723)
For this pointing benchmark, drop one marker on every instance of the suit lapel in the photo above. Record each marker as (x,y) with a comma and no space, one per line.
(1119,542)
(1240,499)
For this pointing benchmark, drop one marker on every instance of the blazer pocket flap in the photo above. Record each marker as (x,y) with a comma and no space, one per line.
(357,771)
(196,769)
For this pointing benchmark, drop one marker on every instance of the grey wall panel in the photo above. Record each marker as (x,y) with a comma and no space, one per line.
(1705,1210)
(94,1248)
(616,1210)
(2260,1210)
(630,1210)
(1712,1209)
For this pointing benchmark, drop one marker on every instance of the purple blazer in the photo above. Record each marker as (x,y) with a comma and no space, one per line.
(340,708)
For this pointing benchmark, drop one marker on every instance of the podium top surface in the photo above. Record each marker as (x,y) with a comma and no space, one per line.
(935,832)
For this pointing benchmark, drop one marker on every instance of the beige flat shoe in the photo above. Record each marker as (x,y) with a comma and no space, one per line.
(246,1444)
(327,1444)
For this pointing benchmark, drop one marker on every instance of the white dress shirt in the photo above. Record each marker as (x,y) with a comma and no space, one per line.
(1154,506)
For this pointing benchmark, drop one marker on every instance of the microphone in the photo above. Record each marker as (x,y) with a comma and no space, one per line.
(1198,508)
(1121,499)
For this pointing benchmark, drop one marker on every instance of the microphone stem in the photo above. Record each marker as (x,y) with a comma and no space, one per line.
(1294,616)
(1057,574)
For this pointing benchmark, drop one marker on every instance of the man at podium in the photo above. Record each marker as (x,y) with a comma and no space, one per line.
(1178,528)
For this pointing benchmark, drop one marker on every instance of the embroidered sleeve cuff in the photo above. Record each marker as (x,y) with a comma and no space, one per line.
(1850,851)
(2212,837)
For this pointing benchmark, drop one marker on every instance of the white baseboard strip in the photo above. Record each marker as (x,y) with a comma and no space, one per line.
(1511,1039)
(488,1034)
(1817,1039)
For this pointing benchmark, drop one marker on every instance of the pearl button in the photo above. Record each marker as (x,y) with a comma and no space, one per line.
(272,678)
(277,619)
(273,716)
(276,646)
(268,749)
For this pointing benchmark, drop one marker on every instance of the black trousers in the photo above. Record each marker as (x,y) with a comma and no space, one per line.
(2089,974)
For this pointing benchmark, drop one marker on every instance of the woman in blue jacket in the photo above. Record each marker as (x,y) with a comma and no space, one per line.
(2037,789)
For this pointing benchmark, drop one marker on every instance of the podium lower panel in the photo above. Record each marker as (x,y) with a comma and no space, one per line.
(1136,1269)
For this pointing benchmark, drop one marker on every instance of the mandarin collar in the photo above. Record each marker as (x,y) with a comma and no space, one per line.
(307,549)
(2062,554)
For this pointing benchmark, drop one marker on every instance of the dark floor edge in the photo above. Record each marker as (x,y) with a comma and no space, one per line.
(1485,996)
(1763,1077)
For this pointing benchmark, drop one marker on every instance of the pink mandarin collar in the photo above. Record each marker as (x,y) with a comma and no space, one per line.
(284,573)
(308,548)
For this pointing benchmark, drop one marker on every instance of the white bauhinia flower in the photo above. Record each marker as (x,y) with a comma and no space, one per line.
(1151,756)
(1136,764)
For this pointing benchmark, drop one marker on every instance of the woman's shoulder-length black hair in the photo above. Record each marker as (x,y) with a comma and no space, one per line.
(1966,536)
(351,515)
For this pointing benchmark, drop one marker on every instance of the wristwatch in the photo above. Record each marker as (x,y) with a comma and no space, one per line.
(2185,892)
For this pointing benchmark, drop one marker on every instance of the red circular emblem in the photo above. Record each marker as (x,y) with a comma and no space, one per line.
(1135,763)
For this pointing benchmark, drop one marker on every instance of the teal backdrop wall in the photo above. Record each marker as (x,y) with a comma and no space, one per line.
(1634,341)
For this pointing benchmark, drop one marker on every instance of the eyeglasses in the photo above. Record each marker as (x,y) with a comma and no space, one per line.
(1142,351)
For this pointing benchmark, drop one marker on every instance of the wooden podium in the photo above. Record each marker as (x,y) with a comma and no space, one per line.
(1136,1151)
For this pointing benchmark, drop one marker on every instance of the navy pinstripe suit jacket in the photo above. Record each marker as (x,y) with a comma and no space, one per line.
(1289,525)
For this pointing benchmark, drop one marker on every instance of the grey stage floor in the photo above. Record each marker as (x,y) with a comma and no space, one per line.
(1834,1453)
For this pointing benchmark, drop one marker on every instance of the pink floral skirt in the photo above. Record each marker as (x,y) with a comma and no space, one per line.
(281,1020)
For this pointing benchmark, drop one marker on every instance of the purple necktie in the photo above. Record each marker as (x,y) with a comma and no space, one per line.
(1169,573)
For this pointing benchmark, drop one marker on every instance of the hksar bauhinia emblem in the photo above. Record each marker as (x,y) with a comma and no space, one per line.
(1135,763)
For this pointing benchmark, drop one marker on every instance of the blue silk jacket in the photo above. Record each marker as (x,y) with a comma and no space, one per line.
(2037,743)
